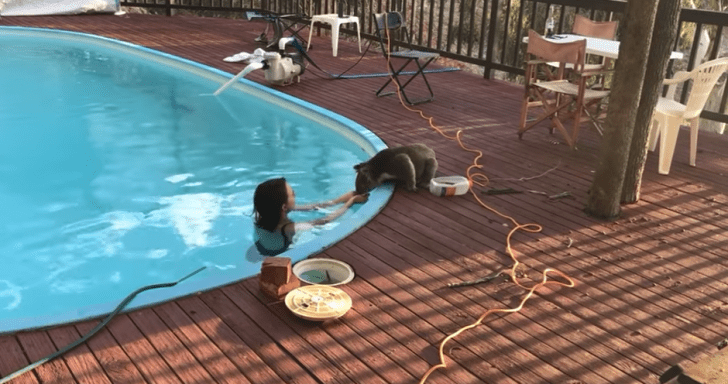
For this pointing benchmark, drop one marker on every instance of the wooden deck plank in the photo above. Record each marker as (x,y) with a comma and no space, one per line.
(278,353)
(223,337)
(416,355)
(483,361)
(38,345)
(537,266)
(418,284)
(549,341)
(484,271)
(82,363)
(339,332)
(607,276)
(215,362)
(14,359)
(650,286)
(172,350)
(402,324)
(303,333)
(116,364)
(140,350)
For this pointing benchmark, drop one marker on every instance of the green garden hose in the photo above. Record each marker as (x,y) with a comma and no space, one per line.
(97,328)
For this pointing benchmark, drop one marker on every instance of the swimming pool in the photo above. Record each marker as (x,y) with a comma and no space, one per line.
(119,169)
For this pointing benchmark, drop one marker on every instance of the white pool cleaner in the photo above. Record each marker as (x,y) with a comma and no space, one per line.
(450,185)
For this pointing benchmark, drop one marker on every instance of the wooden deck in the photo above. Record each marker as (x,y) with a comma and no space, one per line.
(650,288)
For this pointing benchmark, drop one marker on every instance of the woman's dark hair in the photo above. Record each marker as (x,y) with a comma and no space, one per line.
(268,200)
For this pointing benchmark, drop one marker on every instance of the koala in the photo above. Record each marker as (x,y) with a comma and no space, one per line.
(414,165)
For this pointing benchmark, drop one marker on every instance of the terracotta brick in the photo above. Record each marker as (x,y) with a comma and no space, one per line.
(276,270)
(276,278)
(277,292)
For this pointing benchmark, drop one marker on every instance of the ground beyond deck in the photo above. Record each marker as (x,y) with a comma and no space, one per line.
(650,287)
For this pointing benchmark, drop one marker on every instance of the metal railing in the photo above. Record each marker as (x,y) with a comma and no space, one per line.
(486,33)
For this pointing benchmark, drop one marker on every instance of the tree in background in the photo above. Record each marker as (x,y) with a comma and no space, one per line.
(663,37)
(606,190)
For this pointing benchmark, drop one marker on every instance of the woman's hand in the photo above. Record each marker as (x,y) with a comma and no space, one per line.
(343,198)
(360,198)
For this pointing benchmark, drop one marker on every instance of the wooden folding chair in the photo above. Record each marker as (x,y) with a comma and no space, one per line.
(602,29)
(386,27)
(606,30)
(559,99)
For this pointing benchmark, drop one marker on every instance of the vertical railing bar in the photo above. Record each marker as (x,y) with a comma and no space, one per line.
(724,100)
(562,15)
(483,21)
(674,48)
(491,38)
(459,34)
(462,39)
(423,37)
(713,56)
(420,22)
(405,6)
(471,21)
(691,60)
(519,32)
(716,43)
(429,26)
(506,23)
(450,19)
(440,19)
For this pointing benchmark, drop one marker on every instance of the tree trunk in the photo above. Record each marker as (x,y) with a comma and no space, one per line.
(606,189)
(663,37)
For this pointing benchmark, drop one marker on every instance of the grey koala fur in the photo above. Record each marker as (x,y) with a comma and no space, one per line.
(414,165)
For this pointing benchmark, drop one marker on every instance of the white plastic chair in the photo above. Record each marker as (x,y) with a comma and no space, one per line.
(670,114)
(335,20)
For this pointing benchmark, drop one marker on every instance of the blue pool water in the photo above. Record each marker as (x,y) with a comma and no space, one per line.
(119,169)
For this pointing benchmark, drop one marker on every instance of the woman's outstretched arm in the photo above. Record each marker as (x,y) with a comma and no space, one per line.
(334,215)
(341,199)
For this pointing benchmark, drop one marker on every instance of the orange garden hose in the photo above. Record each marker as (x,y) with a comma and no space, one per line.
(531,227)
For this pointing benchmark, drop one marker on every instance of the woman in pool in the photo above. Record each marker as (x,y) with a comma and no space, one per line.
(273,200)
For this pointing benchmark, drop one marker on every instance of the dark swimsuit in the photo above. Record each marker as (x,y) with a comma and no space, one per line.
(271,243)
